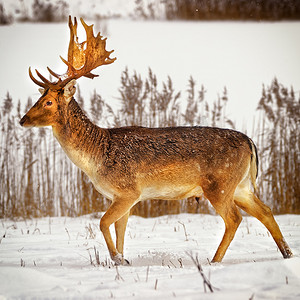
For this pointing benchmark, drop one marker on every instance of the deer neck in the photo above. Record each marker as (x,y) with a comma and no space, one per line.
(81,140)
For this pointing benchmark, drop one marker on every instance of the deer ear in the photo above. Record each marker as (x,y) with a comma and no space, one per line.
(69,90)
(41,90)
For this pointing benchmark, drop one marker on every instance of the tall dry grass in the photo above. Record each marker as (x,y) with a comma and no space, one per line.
(279,148)
(37,179)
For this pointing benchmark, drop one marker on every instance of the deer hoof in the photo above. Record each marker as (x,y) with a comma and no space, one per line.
(285,249)
(125,262)
(120,260)
(287,253)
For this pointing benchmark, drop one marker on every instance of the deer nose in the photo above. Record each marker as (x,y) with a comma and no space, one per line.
(23,120)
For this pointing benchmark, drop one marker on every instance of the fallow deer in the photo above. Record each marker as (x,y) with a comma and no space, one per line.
(132,164)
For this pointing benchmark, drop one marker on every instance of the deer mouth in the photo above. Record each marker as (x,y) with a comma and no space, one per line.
(24,121)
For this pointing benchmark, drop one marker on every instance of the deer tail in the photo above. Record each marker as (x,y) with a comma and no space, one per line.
(253,165)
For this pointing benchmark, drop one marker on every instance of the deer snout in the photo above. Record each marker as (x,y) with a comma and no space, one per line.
(23,120)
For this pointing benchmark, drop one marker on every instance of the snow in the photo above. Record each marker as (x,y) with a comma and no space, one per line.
(49,258)
(241,56)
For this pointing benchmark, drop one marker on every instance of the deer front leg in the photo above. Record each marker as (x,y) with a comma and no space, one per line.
(117,212)
(120,227)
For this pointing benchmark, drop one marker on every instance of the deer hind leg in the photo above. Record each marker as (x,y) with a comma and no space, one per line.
(226,208)
(251,204)
(232,219)
(220,196)
(117,213)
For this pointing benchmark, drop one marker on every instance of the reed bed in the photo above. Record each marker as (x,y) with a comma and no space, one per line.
(37,179)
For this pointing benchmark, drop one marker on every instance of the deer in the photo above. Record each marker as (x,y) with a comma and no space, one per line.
(132,164)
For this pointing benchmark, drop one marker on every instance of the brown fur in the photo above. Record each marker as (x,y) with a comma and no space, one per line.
(132,164)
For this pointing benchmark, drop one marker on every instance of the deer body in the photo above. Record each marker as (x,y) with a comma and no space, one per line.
(157,163)
(132,164)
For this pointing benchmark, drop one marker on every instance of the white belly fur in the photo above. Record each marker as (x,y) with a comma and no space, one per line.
(170,192)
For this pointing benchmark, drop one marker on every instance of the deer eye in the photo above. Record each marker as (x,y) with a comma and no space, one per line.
(48,103)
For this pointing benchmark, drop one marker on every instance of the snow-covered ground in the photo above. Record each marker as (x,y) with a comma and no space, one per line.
(50,258)
(239,55)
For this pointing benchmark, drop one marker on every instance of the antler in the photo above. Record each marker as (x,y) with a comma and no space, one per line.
(82,58)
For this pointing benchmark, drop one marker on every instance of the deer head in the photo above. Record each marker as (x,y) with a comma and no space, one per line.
(56,95)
